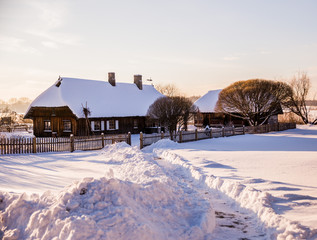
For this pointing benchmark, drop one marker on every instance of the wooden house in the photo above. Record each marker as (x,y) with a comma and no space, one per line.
(114,107)
(209,116)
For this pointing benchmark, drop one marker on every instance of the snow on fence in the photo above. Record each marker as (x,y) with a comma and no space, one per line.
(59,144)
(186,136)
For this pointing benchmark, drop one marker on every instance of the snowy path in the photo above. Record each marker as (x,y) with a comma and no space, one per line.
(283,164)
(232,221)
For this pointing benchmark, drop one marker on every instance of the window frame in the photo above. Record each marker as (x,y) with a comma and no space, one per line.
(135,123)
(47,127)
(70,124)
(97,126)
(112,122)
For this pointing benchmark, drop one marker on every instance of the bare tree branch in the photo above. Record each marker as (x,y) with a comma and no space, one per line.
(172,112)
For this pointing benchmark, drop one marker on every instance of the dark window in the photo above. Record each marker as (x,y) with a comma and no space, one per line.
(67,126)
(112,125)
(97,126)
(136,123)
(47,126)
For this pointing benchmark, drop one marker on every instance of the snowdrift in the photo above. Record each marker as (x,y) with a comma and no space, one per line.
(247,197)
(135,200)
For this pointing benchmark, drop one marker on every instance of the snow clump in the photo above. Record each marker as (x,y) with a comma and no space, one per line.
(135,200)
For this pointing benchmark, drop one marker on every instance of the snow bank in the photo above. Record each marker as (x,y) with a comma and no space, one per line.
(135,200)
(164,143)
(16,134)
(247,197)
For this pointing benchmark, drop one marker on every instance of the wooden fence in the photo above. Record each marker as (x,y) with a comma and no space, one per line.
(182,136)
(59,144)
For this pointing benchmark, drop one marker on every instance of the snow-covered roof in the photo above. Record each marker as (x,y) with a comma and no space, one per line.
(207,103)
(103,99)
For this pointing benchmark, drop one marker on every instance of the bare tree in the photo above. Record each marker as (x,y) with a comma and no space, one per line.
(300,85)
(254,100)
(86,111)
(172,112)
(169,90)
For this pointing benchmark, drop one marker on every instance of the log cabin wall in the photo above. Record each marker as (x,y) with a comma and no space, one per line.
(58,115)
(217,120)
(56,118)
(119,125)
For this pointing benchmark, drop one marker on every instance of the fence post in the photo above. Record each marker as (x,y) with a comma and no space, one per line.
(129,138)
(278,126)
(180,136)
(72,143)
(196,134)
(210,132)
(233,131)
(34,145)
(103,140)
(223,131)
(141,140)
(162,135)
(243,127)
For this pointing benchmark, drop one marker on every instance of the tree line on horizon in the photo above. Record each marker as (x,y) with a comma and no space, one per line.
(18,105)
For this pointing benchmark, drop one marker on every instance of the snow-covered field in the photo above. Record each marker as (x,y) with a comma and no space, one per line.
(242,187)
(283,164)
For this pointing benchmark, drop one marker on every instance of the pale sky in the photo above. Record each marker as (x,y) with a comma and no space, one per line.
(198,45)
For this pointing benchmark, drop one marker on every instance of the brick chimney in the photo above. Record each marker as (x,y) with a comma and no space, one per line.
(112,78)
(138,81)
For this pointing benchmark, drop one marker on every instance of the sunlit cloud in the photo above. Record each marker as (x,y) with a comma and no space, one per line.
(265,52)
(231,58)
(16,45)
(52,15)
(49,44)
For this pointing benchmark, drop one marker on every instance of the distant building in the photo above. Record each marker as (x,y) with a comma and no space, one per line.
(114,107)
(5,121)
(209,116)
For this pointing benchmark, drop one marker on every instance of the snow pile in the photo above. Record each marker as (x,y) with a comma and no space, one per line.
(164,143)
(247,197)
(16,135)
(135,200)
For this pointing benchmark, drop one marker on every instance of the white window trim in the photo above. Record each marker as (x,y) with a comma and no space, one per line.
(116,125)
(102,125)
(93,126)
